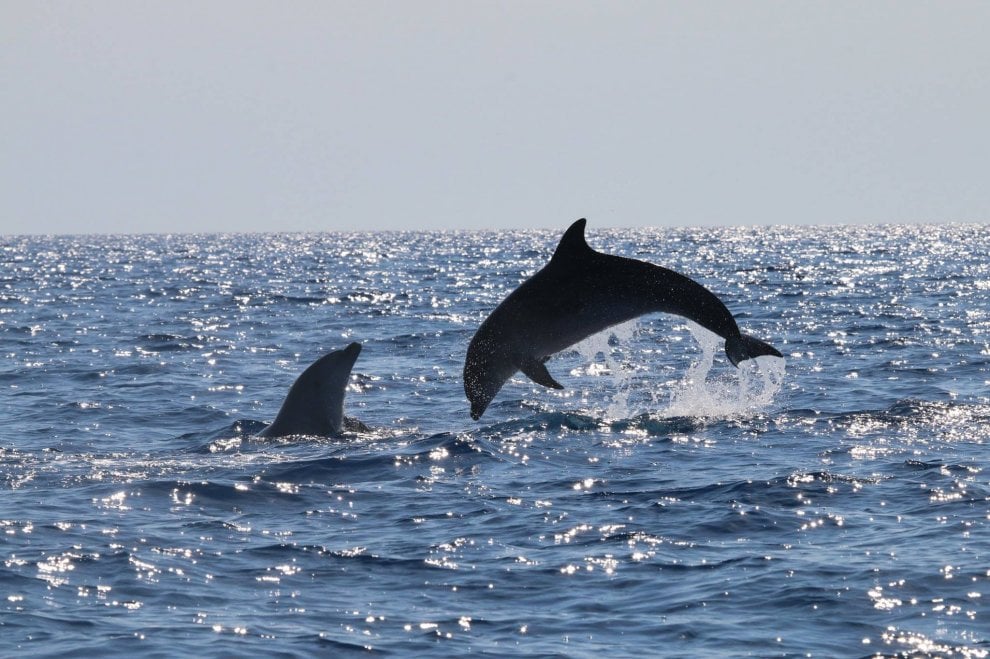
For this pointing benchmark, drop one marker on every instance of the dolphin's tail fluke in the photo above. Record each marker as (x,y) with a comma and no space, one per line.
(742,347)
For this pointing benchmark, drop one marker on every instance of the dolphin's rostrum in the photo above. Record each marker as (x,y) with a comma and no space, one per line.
(315,403)
(578,293)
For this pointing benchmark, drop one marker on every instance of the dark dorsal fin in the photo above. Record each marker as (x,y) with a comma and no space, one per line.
(572,245)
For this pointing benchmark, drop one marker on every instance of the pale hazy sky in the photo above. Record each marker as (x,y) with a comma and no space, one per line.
(233,115)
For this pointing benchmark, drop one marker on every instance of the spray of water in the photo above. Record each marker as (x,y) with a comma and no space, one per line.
(749,388)
(621,372)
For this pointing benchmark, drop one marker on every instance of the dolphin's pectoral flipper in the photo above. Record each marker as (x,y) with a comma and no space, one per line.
(743,347)
(536,370)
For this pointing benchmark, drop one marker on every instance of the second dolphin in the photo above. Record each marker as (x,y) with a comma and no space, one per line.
(314,405)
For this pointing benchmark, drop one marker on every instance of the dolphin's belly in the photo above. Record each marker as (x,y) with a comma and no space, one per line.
(562,332)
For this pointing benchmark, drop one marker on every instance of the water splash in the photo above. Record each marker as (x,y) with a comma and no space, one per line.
(750,387)
(620,370)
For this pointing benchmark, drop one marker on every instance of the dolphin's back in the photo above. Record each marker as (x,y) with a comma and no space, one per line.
(592,291)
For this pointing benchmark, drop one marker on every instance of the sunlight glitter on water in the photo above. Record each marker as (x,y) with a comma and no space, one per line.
(682,506)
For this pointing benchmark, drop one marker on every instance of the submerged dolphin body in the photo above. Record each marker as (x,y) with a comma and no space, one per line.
(315,403)
(578,293)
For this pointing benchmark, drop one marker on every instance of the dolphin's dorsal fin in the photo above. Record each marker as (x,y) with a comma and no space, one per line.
(573,244)
(537,371)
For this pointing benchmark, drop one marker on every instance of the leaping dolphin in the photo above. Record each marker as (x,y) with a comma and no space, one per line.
(578,293)
(315,403)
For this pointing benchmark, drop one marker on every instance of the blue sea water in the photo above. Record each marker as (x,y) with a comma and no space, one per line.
(836,503)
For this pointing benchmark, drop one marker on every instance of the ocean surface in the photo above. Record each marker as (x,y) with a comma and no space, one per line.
(832,504)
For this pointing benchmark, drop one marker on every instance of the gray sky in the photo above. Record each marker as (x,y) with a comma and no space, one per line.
(234,115)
